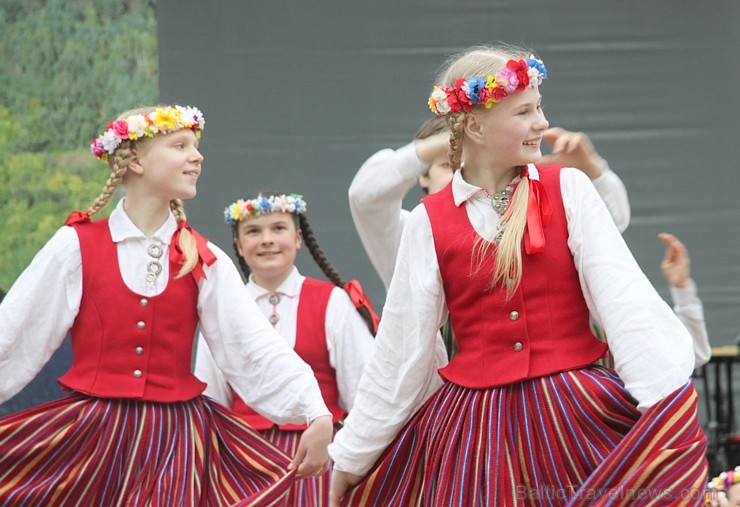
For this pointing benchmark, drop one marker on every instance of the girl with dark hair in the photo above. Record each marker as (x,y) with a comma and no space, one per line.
(330,325)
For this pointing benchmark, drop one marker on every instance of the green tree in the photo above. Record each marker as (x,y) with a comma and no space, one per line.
(66,68)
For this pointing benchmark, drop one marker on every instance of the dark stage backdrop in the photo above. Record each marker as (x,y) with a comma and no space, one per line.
(298,94)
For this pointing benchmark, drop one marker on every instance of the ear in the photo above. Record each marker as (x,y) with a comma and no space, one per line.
(473,128)
(299,239)
(135,165)
(238,246)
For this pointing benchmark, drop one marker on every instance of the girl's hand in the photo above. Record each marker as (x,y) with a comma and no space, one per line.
(340,483)
(676,263)
(573,149)
(312,457)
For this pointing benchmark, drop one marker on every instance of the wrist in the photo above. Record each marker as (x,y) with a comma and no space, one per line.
(596,168)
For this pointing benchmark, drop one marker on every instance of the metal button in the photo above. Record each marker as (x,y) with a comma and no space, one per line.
(141,324)
(514,315)
(274,318)
(137,373)
(143,302)
(139,351)
(518,347)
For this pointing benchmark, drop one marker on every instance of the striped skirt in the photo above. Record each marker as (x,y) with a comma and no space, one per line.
(573,438)
(85,451)
(309,492)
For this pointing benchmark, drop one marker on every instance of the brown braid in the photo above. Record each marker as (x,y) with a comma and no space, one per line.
(329,270)
(455,123)
(246,271)
(118,163)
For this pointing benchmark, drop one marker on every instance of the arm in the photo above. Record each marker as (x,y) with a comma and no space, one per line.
(349,343)
(575,149)
(208,371)
(376,198)
(676,268)
(651,348)
(38,311)
(401,374)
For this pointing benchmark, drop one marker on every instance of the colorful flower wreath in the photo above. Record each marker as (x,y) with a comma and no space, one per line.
(716,492)
(262,205)
(136,126)
(517,76)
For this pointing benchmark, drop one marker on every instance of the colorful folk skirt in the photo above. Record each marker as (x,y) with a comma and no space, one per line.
(573,438)
(85,451)
(308,492)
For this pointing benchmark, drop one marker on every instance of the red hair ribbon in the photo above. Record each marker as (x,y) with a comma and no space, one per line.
(539,212)
(77,217)
(360,300)
(204,253)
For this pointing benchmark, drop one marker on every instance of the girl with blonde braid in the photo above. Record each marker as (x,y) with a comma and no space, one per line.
(518,255)
(135,429)
(329,325)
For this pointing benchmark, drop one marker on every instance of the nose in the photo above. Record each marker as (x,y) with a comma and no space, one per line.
(542,123)
(197,156)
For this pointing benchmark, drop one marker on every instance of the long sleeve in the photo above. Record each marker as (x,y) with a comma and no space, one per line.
(263,370)
(375,200)
(401,374)
(38,311)
(208,371)
(349,343)
(652,350)
(614,194)
(690,311)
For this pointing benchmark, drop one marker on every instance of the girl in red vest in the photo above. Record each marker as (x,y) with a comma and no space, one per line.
(518,254)
(318,319)
(131,290)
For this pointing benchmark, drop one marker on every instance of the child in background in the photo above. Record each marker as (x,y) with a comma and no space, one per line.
(316,318)
(518,254)
(132,289)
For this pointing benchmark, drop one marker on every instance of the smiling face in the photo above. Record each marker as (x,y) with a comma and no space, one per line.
(511,131)
(170,164)
(269,245)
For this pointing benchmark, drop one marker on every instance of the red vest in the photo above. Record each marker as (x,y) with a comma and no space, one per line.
(125,345)
(541,330)
(310,345)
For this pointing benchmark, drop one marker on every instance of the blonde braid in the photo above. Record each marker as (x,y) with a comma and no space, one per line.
(118,163)
(187,241)
(455,123)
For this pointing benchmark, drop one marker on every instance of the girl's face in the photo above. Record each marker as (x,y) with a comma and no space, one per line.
(511,131)
(438,176)
(269,245)
(171,164)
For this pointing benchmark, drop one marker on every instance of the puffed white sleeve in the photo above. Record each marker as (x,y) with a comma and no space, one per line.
(39,310)
(208,371)
(652,350)
(402,372)
(375,201)
(613,192)
(690,310)
(263,370)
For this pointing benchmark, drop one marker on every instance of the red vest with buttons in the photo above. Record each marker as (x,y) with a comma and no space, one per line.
(542,329)
(310,345)
(125,345)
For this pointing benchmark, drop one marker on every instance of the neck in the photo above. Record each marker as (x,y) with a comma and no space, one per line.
(147,215)
(271,281)
(490,178)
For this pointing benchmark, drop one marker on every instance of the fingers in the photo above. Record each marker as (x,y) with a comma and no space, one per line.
(310,468)
(297,459)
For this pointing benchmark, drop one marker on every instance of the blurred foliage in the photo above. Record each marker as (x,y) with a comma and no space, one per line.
(67,67)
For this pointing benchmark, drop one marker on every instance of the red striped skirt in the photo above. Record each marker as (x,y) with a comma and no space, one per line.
(309,492)
(573,438)
(88,451)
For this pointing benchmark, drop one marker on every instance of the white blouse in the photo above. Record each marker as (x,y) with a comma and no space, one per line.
(348,339)
(652,349)
(42,304)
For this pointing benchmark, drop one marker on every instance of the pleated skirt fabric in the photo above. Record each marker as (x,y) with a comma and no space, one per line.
(573,438)
(86,451)
(308,492)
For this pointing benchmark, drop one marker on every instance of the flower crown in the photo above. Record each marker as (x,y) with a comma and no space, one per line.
(517,76)
(162,120)
(718,487)
(262,205)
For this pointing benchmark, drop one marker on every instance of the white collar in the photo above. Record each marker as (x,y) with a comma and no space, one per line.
(290,287)
(463,191)
(121,227)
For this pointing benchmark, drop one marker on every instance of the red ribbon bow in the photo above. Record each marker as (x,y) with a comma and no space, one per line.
(204,253)
(360,300)
(77,217)
(539,212)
